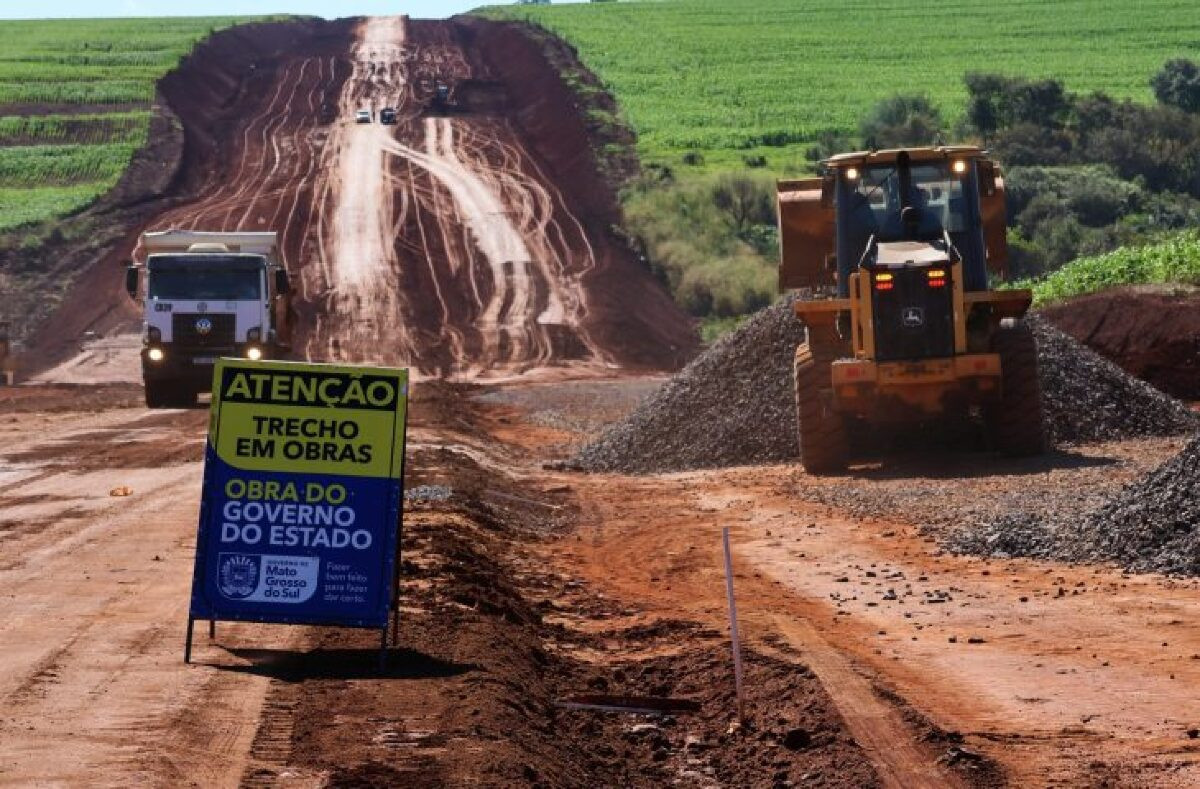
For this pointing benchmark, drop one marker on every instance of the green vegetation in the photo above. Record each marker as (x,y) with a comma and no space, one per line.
(105,61)
(21,207)
(770,76)
(1173,261)
(1062,92)
(97,79)
(711,239)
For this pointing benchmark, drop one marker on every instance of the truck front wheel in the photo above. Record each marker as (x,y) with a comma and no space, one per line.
(169,394)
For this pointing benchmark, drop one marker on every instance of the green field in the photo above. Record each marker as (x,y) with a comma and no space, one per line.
(75,100)
(766,77)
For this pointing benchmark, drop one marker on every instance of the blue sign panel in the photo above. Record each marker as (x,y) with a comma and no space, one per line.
(300,513)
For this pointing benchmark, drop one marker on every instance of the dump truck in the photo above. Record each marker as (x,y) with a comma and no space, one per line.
(893,255)
(207,295)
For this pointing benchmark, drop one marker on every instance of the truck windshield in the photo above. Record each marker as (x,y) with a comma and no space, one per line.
(205,277)
(935,192)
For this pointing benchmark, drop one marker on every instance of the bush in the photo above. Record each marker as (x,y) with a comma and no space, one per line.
(1029,144)
(710,238)
(1177,84)
(997,102)
(900,121)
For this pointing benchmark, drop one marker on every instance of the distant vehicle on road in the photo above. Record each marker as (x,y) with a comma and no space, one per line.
(362,116)
(387,115)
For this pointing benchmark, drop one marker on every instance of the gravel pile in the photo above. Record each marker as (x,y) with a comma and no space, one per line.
(1088,398)
(1150,526)
(733,405)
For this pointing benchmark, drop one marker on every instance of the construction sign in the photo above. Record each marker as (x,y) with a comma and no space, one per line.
(300,512)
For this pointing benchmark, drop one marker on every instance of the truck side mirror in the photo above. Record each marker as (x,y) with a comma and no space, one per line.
(828,189)
(282,286)
(131,281)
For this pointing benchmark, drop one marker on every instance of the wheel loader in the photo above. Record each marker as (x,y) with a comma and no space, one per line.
(892,254)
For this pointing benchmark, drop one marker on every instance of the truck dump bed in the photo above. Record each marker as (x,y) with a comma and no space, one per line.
(177,241)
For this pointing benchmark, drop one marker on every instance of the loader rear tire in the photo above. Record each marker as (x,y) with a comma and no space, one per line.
(822,432)
(1015,424)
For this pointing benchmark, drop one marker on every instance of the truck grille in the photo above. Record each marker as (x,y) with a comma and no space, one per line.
(186,333)
(912,319)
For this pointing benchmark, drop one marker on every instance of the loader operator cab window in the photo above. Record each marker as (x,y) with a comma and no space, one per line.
(214,278)
(934,194)
(936,197)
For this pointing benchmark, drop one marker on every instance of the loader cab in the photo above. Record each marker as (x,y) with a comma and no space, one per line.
(926,201)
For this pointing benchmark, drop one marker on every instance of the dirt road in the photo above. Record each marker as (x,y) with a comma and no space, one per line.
(97,521)
(1064,675)
(938,670)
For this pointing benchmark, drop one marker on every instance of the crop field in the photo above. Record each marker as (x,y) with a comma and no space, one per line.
(767,77)
(1175,261)
(75,100)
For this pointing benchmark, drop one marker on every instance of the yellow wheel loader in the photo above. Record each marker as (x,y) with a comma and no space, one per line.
(891,252)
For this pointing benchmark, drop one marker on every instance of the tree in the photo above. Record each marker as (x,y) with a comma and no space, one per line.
(1177,84)
(900,121)
(745,202)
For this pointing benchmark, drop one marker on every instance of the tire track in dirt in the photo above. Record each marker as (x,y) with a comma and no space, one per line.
(91,646)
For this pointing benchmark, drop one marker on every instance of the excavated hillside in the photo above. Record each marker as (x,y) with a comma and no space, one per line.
(472,242)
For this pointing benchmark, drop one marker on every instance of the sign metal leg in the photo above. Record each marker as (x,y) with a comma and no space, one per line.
(383,635)
(212,629)
(187,644)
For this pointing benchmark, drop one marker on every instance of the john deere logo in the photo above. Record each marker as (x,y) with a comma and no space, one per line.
(913,317)
(203,326)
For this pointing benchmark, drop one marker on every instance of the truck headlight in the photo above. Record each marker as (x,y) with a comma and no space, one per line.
(155,354)
(254,335)
(153,334)
(253,354)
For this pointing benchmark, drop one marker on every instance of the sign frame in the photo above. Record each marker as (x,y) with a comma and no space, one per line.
(384,610)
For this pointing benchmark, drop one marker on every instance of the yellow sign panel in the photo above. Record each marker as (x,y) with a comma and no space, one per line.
(309,418)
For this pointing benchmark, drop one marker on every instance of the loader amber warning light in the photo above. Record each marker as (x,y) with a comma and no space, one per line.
(302,495)
(959,166)
(851,173)
(884,282)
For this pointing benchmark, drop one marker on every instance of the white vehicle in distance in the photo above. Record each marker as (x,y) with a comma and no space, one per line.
(362,116)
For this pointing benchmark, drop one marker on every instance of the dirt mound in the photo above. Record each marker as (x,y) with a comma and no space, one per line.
(1152,525)
(1152,333)
(733,405)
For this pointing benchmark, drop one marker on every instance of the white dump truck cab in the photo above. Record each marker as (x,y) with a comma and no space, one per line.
(207,295)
